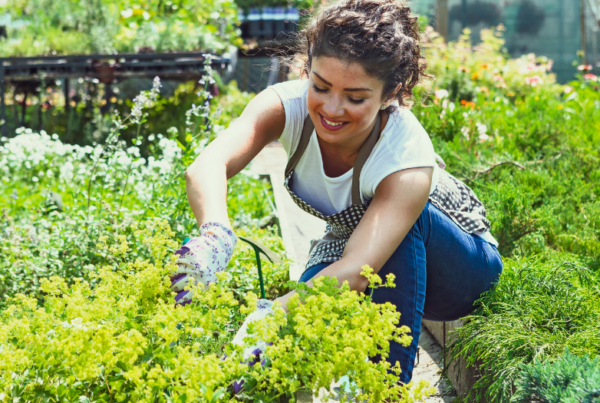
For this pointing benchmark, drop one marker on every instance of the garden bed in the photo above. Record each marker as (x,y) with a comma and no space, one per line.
(526,146)
(87,230)
(87,311)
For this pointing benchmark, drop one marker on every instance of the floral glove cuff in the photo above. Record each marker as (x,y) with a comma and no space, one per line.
(252,352)
(202,258)
(263,308)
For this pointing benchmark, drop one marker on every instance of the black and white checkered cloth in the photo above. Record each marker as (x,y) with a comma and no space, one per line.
(452,197)
(457,201)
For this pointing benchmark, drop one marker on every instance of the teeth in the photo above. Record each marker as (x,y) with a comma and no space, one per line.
(333,123)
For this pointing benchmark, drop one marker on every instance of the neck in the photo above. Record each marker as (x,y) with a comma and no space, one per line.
(349,149)
(339,158)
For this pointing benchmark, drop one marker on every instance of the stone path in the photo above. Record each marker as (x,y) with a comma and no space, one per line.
(299,227)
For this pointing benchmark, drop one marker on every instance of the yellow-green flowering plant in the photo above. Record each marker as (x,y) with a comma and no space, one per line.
(330,332)
(124,340)
(121,341)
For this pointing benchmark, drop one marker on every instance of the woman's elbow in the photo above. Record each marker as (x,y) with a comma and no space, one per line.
(196,169)
(191,173)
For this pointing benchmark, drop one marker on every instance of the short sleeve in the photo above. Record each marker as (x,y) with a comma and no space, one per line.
(404,144)
(293,98)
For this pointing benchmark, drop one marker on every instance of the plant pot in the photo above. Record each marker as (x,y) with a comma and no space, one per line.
(105,72)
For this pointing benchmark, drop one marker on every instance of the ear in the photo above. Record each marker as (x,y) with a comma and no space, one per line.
(393,94)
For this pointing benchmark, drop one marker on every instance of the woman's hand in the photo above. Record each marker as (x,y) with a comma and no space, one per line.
(201,258)
(263,308)
(252,353)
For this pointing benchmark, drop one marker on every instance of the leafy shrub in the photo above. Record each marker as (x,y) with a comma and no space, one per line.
(536,311)
(123,340)
(45,27)
(528,147)
(524,143)
(107,189)
(330,332)
(569,379)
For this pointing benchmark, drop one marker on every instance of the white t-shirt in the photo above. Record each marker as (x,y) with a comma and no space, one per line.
(403,144)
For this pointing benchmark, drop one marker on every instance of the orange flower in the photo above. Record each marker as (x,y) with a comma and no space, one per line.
(484,66)
(463,68)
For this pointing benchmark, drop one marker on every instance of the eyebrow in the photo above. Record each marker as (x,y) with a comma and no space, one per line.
(345,89)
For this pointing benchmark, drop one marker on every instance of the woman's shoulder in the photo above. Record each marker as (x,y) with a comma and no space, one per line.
(403,121)
(293,99)
(404,144)
(404,131)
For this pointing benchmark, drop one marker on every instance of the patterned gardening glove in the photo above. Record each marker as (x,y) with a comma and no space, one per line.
(201,258)
(252,353)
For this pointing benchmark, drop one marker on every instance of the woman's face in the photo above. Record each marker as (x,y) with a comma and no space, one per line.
(343,100)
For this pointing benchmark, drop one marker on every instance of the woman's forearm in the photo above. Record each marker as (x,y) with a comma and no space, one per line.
(261,122)
(343,270)
(206,186)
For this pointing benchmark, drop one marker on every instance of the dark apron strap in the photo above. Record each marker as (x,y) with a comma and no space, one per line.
(363,153)
(307,130)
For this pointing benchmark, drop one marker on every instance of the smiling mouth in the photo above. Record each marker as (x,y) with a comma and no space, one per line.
(332,125)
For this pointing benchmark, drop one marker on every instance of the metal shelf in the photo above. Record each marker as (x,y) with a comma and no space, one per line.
(104,67)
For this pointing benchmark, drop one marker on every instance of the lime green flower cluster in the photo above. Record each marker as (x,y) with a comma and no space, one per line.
(120,341)
(327,333)
(123,339)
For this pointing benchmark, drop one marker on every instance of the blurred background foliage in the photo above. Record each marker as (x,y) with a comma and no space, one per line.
(529,148)
(49,27)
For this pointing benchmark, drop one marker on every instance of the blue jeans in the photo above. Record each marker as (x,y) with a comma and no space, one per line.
(440,272)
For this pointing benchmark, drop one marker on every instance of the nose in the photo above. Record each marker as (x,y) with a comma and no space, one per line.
(333,107)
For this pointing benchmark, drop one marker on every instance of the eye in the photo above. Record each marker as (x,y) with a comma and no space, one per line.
(319,89)
(356,101)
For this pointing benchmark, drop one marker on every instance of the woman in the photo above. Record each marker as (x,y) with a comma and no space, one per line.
(360,160)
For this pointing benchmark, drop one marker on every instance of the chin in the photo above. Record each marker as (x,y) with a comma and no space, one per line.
(331,138)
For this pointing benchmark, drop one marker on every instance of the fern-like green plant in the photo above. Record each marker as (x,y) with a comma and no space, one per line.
(569,379)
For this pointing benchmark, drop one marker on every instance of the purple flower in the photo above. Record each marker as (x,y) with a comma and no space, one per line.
(237,386)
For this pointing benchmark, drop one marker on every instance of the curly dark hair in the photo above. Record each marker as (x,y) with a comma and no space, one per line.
(381,35)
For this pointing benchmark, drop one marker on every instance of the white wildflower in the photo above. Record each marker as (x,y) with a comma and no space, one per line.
(441,94)
(465,132)
(482,130)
